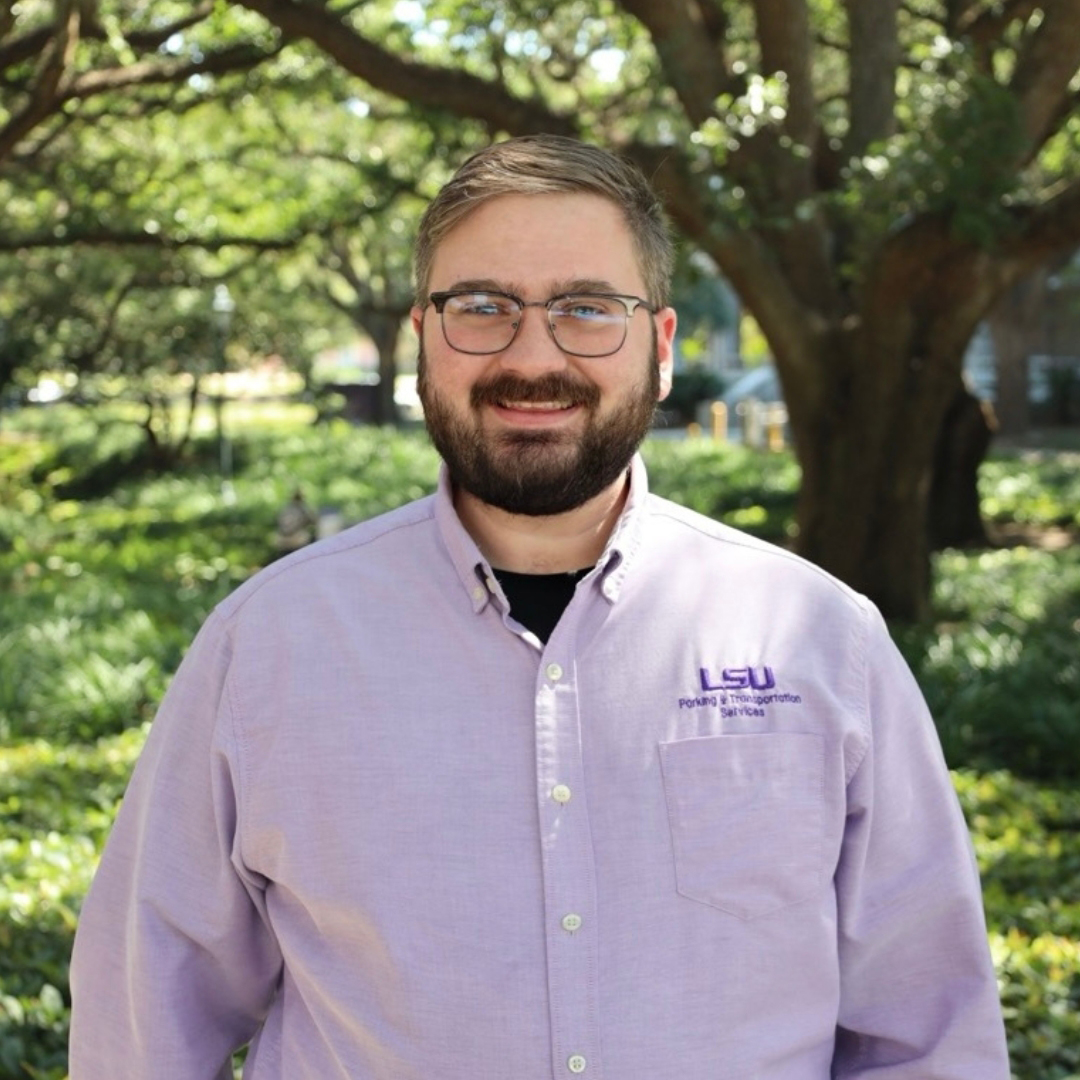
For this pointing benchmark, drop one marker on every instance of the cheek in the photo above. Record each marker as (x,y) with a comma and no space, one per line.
(444,376)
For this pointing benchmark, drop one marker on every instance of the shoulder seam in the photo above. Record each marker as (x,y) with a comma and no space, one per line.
(236,604)
(734,538)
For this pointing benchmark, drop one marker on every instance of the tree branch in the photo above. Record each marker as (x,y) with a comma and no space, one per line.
(146,73)
(107,327)
(140,238)
(742,256)
(24,47)
(33,42)
(985,26)
(144,40)
(55,59)
(872,59)
(1051,229)
(714,20)
(783,28)
(691,57)
(1045,66)
(456,92)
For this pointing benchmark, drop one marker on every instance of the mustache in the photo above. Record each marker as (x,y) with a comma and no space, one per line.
(554,386)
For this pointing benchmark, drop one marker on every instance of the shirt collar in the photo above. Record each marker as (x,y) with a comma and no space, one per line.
(472,568)
(475,573)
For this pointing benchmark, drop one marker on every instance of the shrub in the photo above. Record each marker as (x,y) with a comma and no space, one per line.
(104,591)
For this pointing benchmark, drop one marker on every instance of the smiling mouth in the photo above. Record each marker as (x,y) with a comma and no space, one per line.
(537,406)
(551,393)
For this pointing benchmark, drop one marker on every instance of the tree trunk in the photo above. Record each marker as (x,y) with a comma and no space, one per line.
(385,329)
(1017,329)
(955,518)
(863,503)
(866,524)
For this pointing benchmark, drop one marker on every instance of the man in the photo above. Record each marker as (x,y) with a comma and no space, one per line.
(541,775)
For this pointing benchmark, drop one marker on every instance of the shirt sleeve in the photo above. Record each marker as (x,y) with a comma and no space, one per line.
(919,997)
(174,964)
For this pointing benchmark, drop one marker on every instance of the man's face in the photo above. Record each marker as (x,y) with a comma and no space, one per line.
(533,430)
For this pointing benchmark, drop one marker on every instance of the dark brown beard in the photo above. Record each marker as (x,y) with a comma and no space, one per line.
(529,472)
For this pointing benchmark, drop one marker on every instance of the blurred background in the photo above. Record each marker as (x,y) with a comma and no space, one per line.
(206,212)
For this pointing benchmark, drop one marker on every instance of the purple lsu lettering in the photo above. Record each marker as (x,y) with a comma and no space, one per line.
(738,678)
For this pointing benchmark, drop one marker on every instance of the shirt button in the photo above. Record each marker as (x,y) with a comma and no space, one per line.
(554,672)
(478,593)
(576,1063)
(571,922)
(560,793)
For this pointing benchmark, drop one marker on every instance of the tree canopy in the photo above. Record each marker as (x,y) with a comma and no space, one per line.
(868,175)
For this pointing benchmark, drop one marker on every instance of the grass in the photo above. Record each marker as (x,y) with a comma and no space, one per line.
(107,568)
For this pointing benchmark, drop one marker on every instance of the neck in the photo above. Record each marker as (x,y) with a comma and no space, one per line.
(543,545)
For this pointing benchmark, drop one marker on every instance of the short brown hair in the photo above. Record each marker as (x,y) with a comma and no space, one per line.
(546,165)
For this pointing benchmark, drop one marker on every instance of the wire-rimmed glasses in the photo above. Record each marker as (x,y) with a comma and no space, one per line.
(581,324)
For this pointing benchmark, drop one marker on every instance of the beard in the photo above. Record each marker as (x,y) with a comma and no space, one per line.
(538,473)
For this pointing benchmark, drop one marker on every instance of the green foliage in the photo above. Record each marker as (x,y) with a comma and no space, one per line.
(733,484)
(105,583)
(953,155)
(1027,840)
(1001,671)
(1032,489)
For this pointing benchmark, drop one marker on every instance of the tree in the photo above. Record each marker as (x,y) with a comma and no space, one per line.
(869,176)
(57,57)
(116,218)
(172,141)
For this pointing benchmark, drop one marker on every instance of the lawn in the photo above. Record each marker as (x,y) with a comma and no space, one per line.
(106,571)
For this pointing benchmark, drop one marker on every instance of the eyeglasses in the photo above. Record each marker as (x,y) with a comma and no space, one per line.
(581,324)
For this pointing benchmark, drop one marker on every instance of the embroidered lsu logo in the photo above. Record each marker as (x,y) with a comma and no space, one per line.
(738,678)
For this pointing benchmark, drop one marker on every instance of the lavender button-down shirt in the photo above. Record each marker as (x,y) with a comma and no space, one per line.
(704,833)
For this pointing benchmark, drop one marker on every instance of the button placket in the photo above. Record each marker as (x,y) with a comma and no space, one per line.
(568,872)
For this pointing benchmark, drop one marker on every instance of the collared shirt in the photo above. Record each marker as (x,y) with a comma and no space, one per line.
(704,833)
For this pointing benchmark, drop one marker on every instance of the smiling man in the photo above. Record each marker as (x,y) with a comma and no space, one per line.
(542,775)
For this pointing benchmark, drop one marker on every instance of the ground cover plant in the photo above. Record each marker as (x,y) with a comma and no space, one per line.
(107,569)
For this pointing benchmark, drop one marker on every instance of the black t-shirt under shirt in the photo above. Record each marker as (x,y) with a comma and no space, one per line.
(537,601)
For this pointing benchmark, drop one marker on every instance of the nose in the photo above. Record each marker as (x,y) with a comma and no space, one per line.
(533,349)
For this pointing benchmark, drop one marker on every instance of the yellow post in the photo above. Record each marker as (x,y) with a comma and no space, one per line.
(774,427)
(718,412)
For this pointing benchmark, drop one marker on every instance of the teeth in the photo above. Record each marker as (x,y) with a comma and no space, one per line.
(538,405)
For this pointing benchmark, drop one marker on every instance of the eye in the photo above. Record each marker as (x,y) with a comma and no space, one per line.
(588,308)
(482,305)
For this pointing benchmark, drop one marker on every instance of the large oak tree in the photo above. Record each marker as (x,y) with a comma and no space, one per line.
(870,175)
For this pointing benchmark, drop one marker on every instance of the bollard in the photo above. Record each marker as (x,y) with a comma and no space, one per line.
(719,417)
(752,422)
(775,420)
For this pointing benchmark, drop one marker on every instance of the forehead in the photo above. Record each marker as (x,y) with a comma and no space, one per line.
(535,242)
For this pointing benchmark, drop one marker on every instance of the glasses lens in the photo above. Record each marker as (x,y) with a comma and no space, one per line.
(588,325)
(480,322)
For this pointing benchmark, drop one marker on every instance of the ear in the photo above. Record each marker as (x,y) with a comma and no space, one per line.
(665,320)
(417,318)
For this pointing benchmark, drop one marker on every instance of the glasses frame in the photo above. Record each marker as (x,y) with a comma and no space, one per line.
(439,300)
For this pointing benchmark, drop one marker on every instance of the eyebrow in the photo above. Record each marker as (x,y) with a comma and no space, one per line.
(558,288)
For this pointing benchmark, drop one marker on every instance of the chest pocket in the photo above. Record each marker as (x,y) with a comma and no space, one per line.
(746,815)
